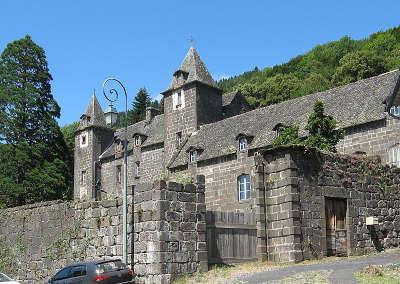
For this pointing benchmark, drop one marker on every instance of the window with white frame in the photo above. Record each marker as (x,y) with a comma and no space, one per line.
(83,140)
(137,140)
(137,169)
(394,155)
(242,143)
(395,111)
(119,174)
(193,156)
(178,100)
(244,187)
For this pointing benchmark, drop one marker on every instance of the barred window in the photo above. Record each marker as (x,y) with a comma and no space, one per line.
(193,156)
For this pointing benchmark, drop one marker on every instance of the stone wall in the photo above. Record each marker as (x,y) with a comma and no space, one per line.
(36,240)
(53,234)
(299,181)
(374,138)
(170,231)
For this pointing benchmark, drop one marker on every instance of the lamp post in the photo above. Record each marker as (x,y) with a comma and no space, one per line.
(113,97)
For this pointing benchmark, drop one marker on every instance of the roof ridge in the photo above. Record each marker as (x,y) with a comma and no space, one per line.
(299,98)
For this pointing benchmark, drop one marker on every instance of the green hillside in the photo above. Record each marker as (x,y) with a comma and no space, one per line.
(325,66)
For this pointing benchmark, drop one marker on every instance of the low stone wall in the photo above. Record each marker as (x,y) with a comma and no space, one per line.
(36,240)
(298,183)
(170,231)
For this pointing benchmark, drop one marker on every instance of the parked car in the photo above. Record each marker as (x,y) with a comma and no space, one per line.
(4,279)
(101,272)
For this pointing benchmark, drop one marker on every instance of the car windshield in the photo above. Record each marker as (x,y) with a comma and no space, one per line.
(4,278)
(109,266)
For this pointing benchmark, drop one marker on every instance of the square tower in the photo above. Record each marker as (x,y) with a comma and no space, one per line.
(192,99)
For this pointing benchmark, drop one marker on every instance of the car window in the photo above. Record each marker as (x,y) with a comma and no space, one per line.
(62,274)
(109,266)
(77,271)
(4,278)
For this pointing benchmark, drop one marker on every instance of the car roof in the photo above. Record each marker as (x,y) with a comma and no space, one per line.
(91,262)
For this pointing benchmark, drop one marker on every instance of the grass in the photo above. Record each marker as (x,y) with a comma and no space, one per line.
(382,274)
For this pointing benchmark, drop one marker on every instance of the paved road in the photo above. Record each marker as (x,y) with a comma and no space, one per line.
(343,270)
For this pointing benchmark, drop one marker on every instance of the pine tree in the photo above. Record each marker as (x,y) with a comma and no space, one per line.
(141,101)
(35,163)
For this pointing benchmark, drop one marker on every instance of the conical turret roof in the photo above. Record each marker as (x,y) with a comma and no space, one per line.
(94,115)
(195,70)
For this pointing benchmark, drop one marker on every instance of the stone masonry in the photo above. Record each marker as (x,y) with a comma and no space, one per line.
(299,181)
(36,240)
(170,231)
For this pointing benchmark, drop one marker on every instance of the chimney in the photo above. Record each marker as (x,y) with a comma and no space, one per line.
(151,112)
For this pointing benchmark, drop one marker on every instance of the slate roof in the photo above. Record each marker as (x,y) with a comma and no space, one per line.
(227,98)
(153,132)
(196,69)
(94,115)
(353,104)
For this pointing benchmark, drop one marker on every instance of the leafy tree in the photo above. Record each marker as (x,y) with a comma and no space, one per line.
(287,135)
(35,163)
(68,132)
(358,65)
(322,130)
(325,66)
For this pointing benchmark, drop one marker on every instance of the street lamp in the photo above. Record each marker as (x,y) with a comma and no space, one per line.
(113,97)
(111,115)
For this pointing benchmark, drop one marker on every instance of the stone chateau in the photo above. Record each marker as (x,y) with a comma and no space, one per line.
(217,135)
(205,187)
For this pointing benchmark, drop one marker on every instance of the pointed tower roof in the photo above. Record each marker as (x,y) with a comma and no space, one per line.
(193,69)
(94,115)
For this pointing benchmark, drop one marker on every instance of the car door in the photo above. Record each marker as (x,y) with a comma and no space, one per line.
(78,275)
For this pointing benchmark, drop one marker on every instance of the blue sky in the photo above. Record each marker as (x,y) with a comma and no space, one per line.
(143,42)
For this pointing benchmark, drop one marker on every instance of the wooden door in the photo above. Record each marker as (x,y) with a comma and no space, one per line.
(336,233)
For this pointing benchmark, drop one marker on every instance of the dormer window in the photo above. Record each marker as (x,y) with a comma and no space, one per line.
(243,144)
(193,156)
(137,140)
(395,111)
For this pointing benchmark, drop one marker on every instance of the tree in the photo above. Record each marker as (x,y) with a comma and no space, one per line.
(287,135)
(322,130)
(29,107)
(358,65)
(35,163)
(141,101)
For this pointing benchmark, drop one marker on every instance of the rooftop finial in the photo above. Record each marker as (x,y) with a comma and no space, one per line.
(191,41)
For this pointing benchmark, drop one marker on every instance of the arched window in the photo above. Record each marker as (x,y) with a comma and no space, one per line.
(394,155)
(243,187)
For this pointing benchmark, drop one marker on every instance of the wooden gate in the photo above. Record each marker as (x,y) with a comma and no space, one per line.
(231,237)
(336,233)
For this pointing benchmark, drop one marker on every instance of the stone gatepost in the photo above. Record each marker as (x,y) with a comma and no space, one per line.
(283,214)
(170,231)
